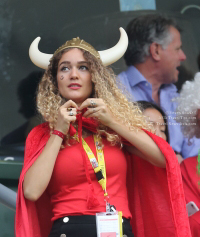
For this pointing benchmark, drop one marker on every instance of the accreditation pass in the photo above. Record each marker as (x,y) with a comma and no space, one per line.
(109,224)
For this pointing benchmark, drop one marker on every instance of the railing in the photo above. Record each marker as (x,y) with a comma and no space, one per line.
(8,197)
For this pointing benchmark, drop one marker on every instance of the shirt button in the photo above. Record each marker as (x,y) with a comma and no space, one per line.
(63,235)
(65,220)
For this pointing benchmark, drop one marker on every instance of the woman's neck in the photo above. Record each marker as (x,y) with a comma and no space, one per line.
(85,131)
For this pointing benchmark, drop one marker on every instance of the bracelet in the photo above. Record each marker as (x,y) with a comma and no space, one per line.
(58,133)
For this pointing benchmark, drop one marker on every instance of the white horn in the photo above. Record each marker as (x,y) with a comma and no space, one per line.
(113,54)
(38,58)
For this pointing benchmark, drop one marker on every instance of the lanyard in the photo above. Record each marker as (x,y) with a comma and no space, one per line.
(98,166)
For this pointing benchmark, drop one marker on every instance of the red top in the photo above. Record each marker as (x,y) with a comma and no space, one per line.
(68,187)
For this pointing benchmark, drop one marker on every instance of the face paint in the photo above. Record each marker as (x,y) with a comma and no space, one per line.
(62,77)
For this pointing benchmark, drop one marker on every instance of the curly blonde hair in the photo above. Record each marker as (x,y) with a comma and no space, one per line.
(105,87)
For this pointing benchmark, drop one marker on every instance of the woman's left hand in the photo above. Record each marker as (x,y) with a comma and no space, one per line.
(96,108)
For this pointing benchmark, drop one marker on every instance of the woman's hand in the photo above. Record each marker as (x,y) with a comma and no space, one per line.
(143,145)
(66,115)
(39,174)
(96,108)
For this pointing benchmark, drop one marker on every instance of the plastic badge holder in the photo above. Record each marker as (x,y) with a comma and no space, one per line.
(109,224)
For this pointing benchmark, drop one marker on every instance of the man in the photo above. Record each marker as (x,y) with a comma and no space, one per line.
(153,57)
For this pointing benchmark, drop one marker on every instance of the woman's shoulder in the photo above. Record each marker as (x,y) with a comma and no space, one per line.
(38,133)
(40,129)
(36,139)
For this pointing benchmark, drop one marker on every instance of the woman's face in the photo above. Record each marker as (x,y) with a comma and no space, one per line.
(73,76)
(156,118)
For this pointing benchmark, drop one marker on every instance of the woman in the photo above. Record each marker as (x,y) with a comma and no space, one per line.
(156,117)
(78,93)
(188,114)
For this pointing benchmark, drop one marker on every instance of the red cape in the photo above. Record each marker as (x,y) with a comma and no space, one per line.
(190,180)
(192,190)
(156,196)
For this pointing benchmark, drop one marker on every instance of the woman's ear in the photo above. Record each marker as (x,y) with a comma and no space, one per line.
(155,50)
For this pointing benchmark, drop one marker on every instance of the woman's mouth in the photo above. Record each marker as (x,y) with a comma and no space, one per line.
(74,86)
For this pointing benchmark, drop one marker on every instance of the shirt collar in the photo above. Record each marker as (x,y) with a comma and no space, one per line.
(170,87)
(134,76)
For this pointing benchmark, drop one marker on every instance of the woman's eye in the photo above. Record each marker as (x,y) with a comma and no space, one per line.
(83,68)
(64,69)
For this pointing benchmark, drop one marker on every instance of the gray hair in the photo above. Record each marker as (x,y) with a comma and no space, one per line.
(142,32)
(164,40)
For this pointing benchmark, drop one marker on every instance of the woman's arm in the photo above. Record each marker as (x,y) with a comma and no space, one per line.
(143,145)
(39,174)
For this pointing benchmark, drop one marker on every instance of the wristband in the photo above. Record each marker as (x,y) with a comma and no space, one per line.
(58,133)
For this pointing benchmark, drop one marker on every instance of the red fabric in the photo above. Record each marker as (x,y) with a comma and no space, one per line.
(192,191)
(190,180)
(195,224)
(156,196)
(68,187)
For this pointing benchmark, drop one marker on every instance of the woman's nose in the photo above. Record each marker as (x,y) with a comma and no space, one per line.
(74,73)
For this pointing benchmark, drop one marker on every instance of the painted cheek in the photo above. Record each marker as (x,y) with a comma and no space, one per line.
(62,77)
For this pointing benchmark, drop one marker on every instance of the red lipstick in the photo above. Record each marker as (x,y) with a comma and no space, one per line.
(74,86)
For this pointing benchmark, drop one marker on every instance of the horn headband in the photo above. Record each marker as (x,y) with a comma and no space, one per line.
(78,43)
(108,56)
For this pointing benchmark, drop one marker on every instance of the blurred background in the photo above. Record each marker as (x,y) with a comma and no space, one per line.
(97,22)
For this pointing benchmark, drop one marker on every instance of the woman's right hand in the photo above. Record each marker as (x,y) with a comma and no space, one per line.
(66,115)
(39,174)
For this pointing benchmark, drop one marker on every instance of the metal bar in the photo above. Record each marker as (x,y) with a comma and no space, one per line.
(8,197)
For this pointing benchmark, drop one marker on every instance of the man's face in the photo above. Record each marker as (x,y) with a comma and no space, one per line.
(171,57)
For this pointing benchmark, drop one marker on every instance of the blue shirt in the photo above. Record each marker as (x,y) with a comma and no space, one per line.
(140,89)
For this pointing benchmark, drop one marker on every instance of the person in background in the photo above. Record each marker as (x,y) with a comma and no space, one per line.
(156,117)
(188,115)
(26,92)
(153,57)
